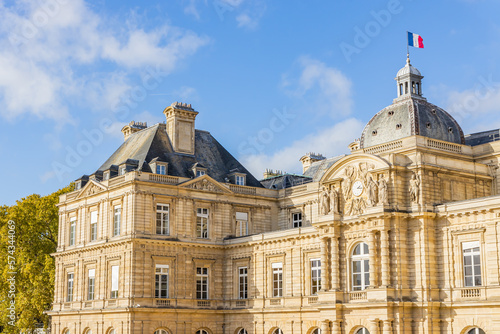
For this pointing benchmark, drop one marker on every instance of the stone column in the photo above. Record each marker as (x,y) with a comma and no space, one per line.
(325,327)
(387,327)
(335,271)
(384,252)
(336,327)
(372,257)
(324,264)
(374,327)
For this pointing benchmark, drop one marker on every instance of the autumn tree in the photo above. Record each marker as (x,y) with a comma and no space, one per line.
(28,235)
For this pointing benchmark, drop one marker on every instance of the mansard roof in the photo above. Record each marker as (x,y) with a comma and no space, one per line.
(153,142)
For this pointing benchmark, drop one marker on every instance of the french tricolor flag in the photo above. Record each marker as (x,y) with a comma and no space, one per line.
(415,40)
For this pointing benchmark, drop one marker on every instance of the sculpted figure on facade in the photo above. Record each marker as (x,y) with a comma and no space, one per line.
(325,201)
(382,190)
(414,188)
(334,200)
(372,189)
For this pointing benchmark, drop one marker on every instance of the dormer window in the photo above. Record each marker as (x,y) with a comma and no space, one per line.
(105,175)
(200,172)
(123,170)
(161,169)
(240,180)
(78,185)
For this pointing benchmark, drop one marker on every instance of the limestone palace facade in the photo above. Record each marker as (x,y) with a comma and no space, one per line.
(173,235)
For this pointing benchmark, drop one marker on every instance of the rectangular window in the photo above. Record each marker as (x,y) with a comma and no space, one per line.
(72,231)
(70,287)
(105,176)
(200,172)
(243,282)
(240,180)
(117,218)
(115,270)
(277,279)
(315,276)
(472,263)
(91,287)
(202,223)
(93,226)
(161,281)
(162,219)
(297,219)
(241,224)
(201,283)
(123,170)
(161,169)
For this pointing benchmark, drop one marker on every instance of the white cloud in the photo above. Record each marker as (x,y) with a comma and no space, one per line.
(330,142)
(55,52)
(245,21)
(322,88)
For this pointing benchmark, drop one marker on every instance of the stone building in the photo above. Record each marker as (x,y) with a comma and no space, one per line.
(173,235)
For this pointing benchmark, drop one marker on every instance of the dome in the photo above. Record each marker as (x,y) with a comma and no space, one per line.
(408,69)
(408,117)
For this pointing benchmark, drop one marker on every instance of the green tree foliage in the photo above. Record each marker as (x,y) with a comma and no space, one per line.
(36,222)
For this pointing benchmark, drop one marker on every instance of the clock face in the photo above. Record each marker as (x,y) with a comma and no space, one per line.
(357,188)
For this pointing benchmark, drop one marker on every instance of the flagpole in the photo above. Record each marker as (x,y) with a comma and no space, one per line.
(407,46)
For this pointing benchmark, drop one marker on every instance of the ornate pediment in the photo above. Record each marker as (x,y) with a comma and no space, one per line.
(91,188)
(206,183)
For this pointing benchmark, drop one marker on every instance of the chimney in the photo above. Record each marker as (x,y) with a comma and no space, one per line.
(133,127)
(308,159)
(180,126)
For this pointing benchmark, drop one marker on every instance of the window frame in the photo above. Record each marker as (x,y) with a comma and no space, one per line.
(70,286)
(72,231)
(202,223)
(202,282)
(470,247)
(159,281)
(364,264)
(91,284)
(243,282)
(315,267)
(117,221)
(297,220)
(241,224)
(93,225)
(161,169)
(164,213)
(114,283)
(277,279)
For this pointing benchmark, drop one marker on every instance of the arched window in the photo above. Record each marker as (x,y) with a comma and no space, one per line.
(400,89)
(88,331)
(316,331)
(202,331)
(67,331)
(242,331)
(406,87)
(161,331)
(476,331)
(278,331)
(362,331)
(418,89)
(360,267)
(111,331)
(413,89)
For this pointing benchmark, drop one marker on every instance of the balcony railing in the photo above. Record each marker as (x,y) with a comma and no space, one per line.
(358,295)
(471,293)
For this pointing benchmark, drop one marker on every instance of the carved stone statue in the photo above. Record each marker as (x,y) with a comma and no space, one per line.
(325,201)
(334,200)
(382,190)
(346,188)
(372,191)
(414,188)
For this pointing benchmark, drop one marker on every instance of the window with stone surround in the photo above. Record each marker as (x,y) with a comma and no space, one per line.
(93,226)
(362,331)
(297,219)
(241,224)
(476,331)
(115,270)
(201,283)
(315,276)
(70,285)
(277,279)
(117,219)
(162,219)
(243,282)
(242,331)
(472,263)
(360,267)
(278,331)
(202,223)
(161,281)
(72,231)
(91,284)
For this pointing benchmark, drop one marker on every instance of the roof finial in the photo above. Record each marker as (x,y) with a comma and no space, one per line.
(408,58)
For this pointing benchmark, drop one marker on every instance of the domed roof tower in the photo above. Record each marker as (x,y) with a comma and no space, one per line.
(410,114)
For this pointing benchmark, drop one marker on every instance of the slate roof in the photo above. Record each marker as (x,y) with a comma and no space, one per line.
(153,142)
(318,168)
(285,181)
(484,137)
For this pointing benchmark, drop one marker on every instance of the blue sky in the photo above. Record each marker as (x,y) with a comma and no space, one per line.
(271,80)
